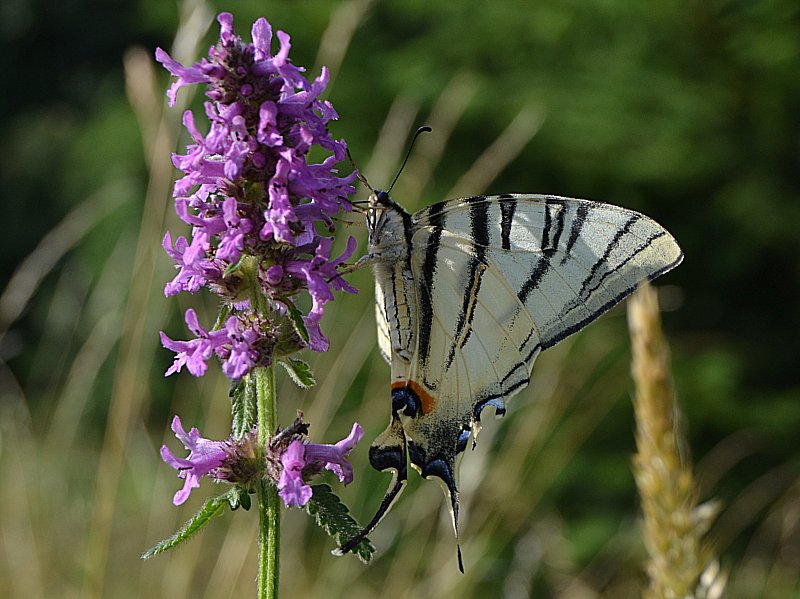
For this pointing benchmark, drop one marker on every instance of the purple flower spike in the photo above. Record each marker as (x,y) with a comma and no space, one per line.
(204,457)
(310,458)
(252,197)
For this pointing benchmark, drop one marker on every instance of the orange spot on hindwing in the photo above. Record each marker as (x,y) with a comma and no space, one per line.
(411,398)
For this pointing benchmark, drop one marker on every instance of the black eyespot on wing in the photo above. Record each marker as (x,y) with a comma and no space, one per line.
(383,458)
(405,400)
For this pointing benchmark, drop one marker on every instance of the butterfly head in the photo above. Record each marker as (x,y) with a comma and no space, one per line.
(385,220)
(388,223)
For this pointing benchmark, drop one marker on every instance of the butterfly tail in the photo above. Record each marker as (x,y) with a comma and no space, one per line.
(454,513)
(388,452)
(443,468)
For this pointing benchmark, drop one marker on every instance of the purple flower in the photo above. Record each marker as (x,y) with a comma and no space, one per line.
(185,75)
(237,345)
(232,240)
(252,197)
(243,354)
(195,353)
(309,458)
(231,460)
(320,275)
(332,457)
(291,487)
(204,457)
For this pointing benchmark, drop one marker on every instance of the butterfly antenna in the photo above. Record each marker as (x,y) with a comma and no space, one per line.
(361,177)
(423,129)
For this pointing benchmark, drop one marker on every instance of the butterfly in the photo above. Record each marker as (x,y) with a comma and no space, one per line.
(468,292)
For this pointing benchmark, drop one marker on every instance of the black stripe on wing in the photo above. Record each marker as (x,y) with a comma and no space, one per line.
(563,334)
(643,246)
(508,204)
(437,222)
(554,209)
(539,270)
(602,260)
(578,221)
(479,229)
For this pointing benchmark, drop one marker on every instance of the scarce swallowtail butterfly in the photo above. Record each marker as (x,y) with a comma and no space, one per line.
(468,292)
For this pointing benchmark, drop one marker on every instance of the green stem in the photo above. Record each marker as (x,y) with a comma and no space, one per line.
(269,514)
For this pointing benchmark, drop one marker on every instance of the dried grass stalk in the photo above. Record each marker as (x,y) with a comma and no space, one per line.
(681,562)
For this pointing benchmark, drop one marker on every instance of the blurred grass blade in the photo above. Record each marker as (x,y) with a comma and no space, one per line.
(500,154)
(63,237)
(143,314)
(141,88)
(344,23)
(443,118)
(681,563)
(388,149)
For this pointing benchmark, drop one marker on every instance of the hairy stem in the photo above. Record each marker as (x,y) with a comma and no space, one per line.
(269,515)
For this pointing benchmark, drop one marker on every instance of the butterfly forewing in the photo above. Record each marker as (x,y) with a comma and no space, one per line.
(486,327)
(567,260)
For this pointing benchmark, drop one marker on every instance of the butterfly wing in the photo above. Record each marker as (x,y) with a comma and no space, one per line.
(384,340)
(499,279)
(474,348)
(568,260)
(494,280)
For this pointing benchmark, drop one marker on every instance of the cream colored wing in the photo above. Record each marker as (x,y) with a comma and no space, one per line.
(499,279)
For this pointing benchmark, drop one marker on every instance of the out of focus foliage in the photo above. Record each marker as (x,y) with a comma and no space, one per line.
(687,110)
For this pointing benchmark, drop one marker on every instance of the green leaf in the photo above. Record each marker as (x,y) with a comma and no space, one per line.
(239,497)
(297,320)
(222,317)
(299,371)
(212,508)
(232,267)
(335,519)
(243,405)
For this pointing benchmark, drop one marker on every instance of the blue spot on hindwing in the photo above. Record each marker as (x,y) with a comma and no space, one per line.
(463,439)
(496,402)
(405,401)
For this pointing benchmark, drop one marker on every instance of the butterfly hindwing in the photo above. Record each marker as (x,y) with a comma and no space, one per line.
(468,358)
(382,322)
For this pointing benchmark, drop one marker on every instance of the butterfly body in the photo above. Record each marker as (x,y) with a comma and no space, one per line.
(390,230)
(470,291)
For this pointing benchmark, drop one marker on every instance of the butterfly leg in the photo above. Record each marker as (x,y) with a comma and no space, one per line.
(363,261)
(388,452)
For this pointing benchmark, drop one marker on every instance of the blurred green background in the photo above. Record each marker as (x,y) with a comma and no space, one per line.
(687,111)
